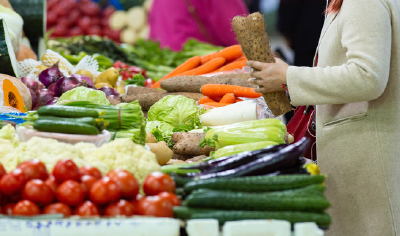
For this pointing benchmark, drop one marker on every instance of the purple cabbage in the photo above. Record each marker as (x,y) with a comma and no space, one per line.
(50,75)
(44,96)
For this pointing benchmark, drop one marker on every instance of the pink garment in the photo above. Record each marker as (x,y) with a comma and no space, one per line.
(172,24)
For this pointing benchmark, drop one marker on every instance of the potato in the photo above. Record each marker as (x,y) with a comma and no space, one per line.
(148,100)
(162,151)
(188,144)
(193,83)
(251,34)
(141,90)
(150,138)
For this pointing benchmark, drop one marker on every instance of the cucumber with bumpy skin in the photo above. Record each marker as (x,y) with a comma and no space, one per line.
(256,183)
(65,127)
(67,111)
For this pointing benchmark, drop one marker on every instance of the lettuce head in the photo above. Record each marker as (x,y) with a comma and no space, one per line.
(175,110)
(84,94)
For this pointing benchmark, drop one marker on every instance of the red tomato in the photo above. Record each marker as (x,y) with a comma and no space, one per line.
(94,30)
(7,209)
(155,206)
(75,32)
(71,193)
(135,201)
(104,191)
(87,209)
(148,83)
(38,192)
(66,170)
(158,182)
(172,198)
(84,23)
(13,182)
(90,170)
(87,183)
(120,208)
(51,182)
(26,208)
(58,208)
(2,171)
(34,169)
(127,183)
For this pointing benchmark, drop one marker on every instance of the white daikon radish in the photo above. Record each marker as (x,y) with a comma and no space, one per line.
(147,5)
(137,18)
(128,36)
(144,33)
(238,112)
(118,20)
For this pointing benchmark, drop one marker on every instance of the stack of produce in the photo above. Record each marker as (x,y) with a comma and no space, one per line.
(31,190)
(295,198)
(124,121)
(69,18)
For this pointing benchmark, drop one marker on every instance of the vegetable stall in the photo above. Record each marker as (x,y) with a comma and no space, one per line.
(93,130)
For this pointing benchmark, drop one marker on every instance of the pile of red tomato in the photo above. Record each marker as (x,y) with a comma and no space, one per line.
(127,72)
(71,18)
(30,190)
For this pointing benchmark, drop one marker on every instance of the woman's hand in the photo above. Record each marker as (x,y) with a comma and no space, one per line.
(270,76)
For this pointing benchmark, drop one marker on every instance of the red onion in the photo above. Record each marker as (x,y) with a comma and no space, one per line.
(52,101)
(34,99)
(50,75)
(81,78)
(65,84)
(51,88)
(30,83)
(109,91)
(44,96)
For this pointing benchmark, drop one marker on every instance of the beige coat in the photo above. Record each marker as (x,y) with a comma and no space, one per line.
(356,88)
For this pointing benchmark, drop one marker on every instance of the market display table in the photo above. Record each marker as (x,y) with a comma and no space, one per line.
(140,226)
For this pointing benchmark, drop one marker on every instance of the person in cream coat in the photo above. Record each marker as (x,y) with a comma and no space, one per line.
(355,86)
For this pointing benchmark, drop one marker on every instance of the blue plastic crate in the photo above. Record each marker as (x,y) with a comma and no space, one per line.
(5,116)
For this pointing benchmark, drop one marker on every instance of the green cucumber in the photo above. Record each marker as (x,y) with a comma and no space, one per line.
(184,213)
(84,120)
(65,127)
(274,201)
(256,183)
(67,111)
(323,220)
(8,60)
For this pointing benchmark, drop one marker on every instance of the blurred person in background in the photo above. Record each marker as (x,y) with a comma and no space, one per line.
(173,22)
(300,22)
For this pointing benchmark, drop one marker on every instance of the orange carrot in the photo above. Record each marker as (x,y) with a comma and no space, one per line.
(238,100)
(216,98)
(205,100)
(205,68)
(189,64)
(216,104)
(228,98)
(229,53)
(213,90)
(237,64)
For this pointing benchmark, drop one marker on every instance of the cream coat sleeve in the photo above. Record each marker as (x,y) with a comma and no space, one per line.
(364,33)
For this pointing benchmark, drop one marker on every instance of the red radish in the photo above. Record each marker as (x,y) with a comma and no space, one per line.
(51,18)
(75,32)
(94,30)
(94,21)
(84,23)
(74,16)
(108,12)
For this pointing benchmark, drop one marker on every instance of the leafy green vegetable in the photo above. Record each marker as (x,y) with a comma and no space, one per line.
(84,94)
(137,79)
(175,110)
(193,123)
(161,130)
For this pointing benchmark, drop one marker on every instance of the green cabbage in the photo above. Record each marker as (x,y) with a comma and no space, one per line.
(165,128)
(84,94)
(174,109)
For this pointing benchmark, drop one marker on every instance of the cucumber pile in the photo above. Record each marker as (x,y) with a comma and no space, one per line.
(69,120)
(295,198)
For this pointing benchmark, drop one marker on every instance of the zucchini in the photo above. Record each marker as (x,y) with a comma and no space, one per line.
(65,127)
(274,201)
(323,220)
(67,111)
(85,120)
(8,60)
(256,183)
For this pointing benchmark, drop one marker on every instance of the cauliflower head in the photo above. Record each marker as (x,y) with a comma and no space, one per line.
(125,154)
(8,132)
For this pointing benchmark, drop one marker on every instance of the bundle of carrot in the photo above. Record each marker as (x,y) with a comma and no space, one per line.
(219,95)
(227,59)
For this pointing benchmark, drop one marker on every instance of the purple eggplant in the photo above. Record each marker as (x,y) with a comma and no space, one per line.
(50,75)
(65,84)
(44,96)
(30,83)
(88,81)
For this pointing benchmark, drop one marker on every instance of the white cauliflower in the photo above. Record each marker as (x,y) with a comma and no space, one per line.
(8,132)
(125,154)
